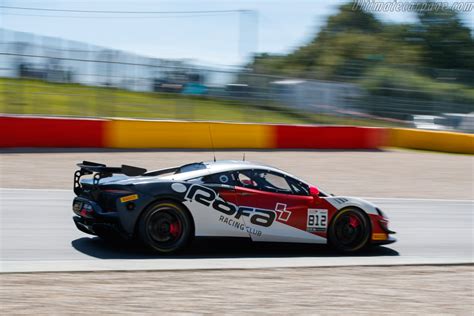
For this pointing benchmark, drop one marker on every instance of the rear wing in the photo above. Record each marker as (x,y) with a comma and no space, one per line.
(100,171)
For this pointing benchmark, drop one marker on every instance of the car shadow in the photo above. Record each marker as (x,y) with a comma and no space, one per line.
(217,248)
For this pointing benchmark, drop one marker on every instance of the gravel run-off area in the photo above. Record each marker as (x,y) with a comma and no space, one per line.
(416,290)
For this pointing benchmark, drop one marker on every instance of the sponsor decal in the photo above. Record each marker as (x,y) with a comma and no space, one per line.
(317,220)
(223,178)
(210,198)
(283,214)
(232,213)
(178,187)
(379,236)
(129,198)
(231,222)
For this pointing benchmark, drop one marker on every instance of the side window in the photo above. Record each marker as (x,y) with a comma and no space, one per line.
(298,187)
(220,178)
(273,182)
(265,181)
(245,179)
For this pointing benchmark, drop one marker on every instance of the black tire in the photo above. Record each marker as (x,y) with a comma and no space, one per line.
(350,230)
(165,227)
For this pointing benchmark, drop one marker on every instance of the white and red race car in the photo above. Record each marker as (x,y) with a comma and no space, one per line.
(167,208)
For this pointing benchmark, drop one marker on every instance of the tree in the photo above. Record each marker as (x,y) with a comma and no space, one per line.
(446,42)
(353,41)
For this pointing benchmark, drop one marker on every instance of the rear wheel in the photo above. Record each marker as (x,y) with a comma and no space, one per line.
(165,227)
(350,230)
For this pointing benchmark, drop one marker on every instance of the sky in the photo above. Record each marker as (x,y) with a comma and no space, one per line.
(274,26)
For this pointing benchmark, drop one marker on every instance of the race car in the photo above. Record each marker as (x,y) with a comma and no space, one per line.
(165,209)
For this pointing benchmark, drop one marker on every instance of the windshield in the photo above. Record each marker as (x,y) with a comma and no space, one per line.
(191,167)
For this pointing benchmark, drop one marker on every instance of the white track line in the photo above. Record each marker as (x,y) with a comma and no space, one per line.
(217,264)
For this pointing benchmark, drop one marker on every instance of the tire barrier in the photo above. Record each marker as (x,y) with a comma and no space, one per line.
(174,134)
(329,137)
(30,131)
(431,140)
(27,131)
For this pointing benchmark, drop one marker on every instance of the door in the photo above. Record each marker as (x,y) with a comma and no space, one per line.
(273,208)
(212,201)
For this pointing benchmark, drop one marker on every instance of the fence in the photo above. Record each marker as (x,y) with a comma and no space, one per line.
(51,76)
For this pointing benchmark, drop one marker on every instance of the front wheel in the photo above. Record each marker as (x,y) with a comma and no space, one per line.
(350,230)
(165,227)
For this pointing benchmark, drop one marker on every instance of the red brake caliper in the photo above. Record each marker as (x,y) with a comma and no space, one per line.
(175,229)
(354,221)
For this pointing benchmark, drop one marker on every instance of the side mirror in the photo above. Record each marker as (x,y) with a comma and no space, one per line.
(313,191)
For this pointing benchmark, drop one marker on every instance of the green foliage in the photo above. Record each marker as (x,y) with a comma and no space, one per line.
(446,42)
(349,19)
(353,41)
(348,45)
(387,58)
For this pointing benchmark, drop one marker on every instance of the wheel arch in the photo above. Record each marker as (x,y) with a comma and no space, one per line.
(165,198)
(357,207)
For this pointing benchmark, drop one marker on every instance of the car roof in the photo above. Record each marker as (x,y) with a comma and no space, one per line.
(212,167)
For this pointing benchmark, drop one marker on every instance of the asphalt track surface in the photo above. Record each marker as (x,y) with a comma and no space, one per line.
(37,234)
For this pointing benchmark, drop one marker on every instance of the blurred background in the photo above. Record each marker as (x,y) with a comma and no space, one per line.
(307,62)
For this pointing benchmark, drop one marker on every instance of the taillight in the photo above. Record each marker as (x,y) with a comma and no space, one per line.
(77,206)
(87,210)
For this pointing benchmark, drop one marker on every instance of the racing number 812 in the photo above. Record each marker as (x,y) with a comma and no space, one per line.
(318,220)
